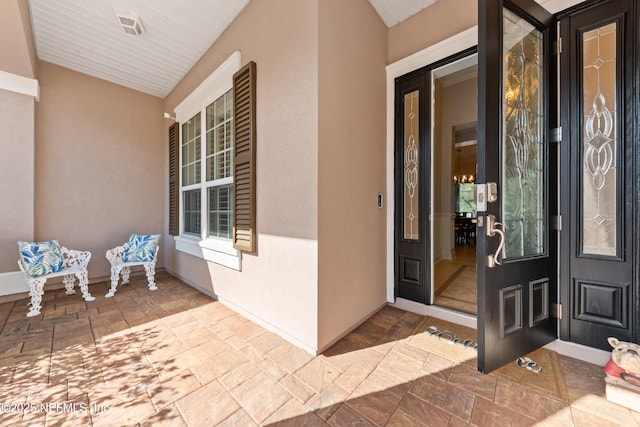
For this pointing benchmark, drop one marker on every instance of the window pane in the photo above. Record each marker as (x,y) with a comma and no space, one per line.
(411,154)
(523,148)
(192,211)
(220,209)
(191,151)
(600,143)
(219,137)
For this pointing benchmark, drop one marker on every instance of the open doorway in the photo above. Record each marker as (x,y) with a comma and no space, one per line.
(454,160)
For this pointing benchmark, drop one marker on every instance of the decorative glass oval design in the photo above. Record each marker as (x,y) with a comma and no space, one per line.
(523,150)
(600,143)
(411,166)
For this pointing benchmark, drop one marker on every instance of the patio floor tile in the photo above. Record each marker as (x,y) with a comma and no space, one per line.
(175,357)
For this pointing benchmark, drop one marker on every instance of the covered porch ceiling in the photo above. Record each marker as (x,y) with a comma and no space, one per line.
(88,36)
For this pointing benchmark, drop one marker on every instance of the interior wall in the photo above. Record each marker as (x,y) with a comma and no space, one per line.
(17,183)
(459,106)
(455,104)
(352,55)
(99,153)
(442,246)
(278,285)
(435,23)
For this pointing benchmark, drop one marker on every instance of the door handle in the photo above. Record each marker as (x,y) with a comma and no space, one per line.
(492,229)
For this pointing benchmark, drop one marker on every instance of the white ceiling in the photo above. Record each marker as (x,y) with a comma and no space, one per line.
(85,36)
(393,12)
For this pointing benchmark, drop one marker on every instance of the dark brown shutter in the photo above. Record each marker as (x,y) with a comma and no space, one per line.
(244,160)
(174,206)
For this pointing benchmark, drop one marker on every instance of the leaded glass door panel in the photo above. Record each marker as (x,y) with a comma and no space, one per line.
(597,250)
(516,252)
(412,160)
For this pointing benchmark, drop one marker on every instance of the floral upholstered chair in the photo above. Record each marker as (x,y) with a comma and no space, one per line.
(40,261)
(139,250)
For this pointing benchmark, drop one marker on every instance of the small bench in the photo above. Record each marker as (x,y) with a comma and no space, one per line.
(139,250)
(40,261)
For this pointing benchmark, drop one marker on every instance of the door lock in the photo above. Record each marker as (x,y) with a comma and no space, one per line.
(492,229)
(485,193)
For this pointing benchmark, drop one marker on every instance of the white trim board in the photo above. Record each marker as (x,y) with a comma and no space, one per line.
(214,86)
(19,84)
(441,313)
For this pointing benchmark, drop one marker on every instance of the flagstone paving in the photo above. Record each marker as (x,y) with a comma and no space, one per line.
(176,357)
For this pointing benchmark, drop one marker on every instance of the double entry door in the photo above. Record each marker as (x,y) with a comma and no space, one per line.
(555,178)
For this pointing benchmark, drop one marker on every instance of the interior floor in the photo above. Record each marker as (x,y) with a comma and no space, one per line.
(455,284)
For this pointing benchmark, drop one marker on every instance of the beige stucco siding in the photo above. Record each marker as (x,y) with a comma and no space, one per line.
(17,51)
(319,268)
(99,153)
(351,159)
(16,182)
(436,23)
(278,285)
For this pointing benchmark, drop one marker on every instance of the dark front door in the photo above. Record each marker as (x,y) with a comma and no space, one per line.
(516,250)
(599,227)
(412,192)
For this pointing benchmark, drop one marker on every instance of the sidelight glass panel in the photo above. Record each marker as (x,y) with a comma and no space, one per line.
(411,166)
(523,168)
(600,142)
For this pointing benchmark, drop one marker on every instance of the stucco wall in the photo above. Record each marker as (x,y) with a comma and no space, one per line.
(99,153)
(436,23)
(17,52)
(278,285)
(351,231)
(16,176)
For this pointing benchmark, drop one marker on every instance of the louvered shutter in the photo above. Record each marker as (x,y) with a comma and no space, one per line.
(244,159)
(174,205)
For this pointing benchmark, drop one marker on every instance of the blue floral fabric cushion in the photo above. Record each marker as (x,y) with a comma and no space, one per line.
(41,258)
(141,248)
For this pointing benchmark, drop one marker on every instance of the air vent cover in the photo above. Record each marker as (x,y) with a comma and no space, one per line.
(130,22)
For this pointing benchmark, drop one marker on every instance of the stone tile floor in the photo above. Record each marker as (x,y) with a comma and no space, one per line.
(175,357)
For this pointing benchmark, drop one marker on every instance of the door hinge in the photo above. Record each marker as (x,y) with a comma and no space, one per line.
(555,134)
(558,47)
(556,222)
(556,311)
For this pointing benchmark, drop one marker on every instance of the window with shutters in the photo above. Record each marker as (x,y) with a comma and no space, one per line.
(206,153)
(207,170)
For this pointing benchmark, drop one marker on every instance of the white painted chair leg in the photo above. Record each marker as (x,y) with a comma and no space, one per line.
(126,271)
(69,280)
(36,290)
(83,279)
(150,268)
(115,274)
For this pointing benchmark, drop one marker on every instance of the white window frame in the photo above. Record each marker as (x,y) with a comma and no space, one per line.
(214,249)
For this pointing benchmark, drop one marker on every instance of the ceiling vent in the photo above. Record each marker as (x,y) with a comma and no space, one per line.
(130,22)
